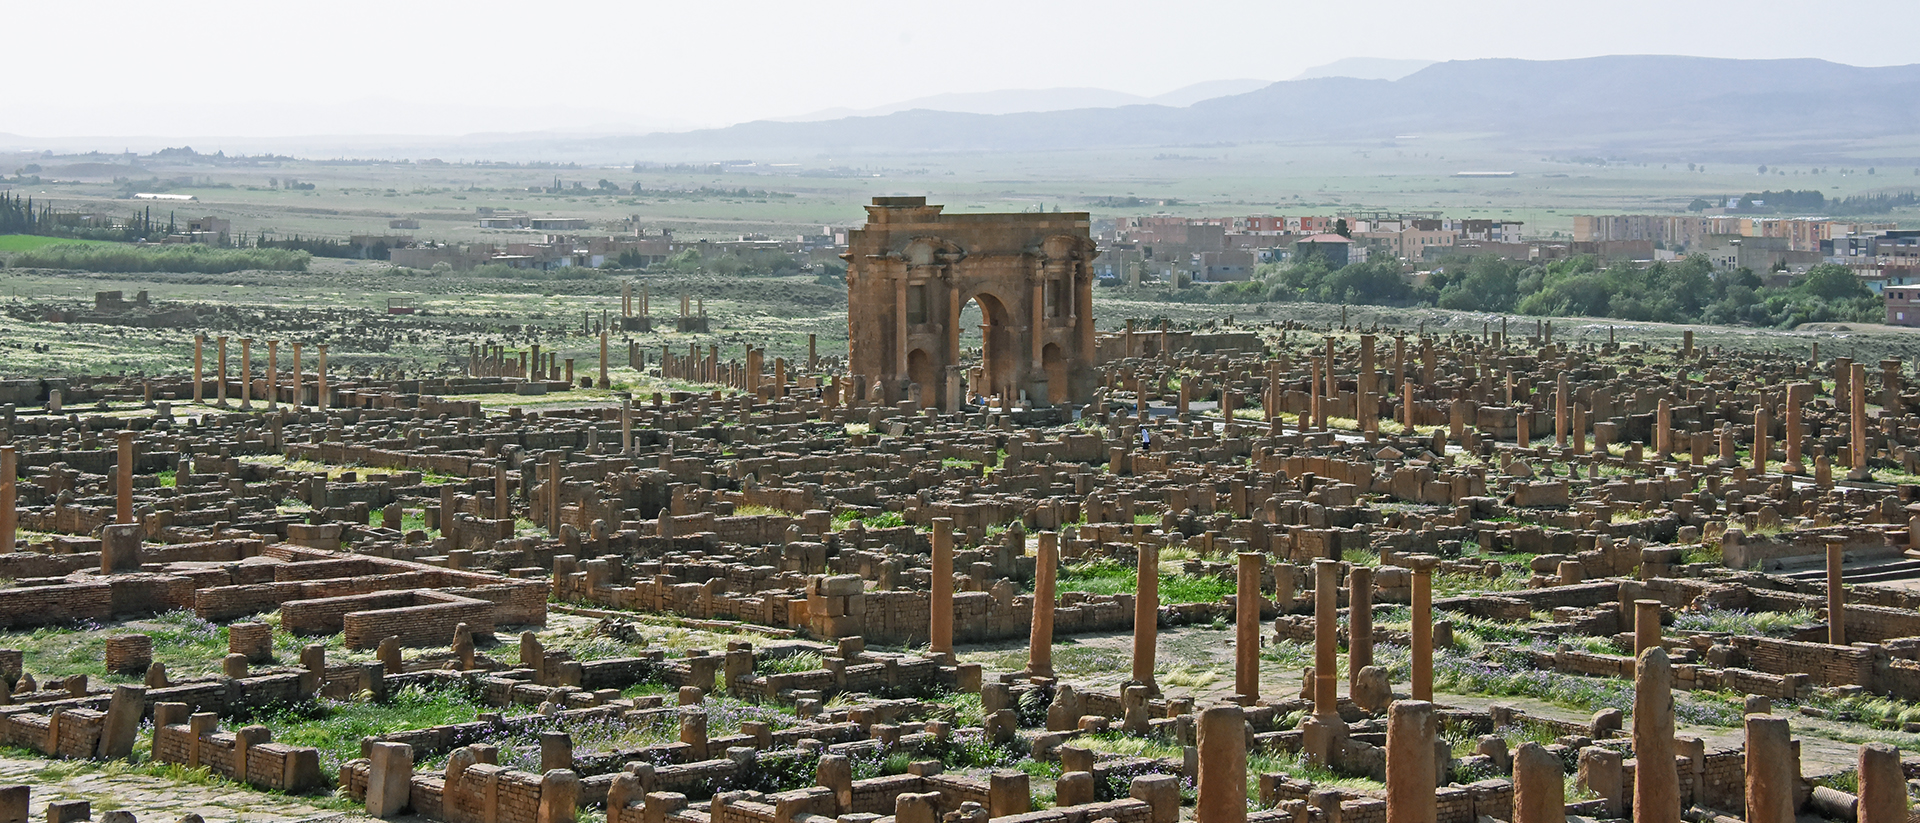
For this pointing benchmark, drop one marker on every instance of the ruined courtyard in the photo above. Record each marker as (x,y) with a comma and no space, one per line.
(1267,571)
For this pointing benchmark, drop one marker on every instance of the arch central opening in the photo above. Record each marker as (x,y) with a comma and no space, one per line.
(980,339)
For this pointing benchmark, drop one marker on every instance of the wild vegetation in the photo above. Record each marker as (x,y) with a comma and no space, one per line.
(184,257)
(1686,291)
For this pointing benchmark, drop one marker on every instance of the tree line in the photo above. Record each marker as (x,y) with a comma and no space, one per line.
(1813,201)
(20,215)
(1683,291)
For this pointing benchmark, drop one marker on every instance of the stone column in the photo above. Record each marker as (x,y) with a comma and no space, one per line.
(1246,628)
(123,504)
(1412,773)
(220,390)
(553,493)
(1222,784)
(1883,785)
(1656,780)
(940,634)
(1561,407)
(502,493)
(1646,625)
(246,372)
(626,427)
(1579,429)
(1316,411)
(1359,622)
(604,383)
(273,374)
(1771,773)
(1857,443)
(1836,593)
(1422,646)
(1146,613)
(9,516)
(1762,420)
(299,379)
(1365,408)
(1406,408)
(1331,386)
(1539,790)
(1890,402)
(320,379)
(1040,643)
(1663,429)
(199,367)
(1326,637)
(1798,396)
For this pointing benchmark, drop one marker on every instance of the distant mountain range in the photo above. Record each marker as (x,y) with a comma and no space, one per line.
(1365,68)
(1629,106)
(1015,101)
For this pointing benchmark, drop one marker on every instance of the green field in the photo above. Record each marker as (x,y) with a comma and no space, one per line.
(28,242)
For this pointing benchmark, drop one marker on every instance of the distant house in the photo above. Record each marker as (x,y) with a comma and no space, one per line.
(1226,266)
(1903,305)
(1333,248)
(557,224)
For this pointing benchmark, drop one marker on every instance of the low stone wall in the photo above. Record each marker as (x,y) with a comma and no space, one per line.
(248,755)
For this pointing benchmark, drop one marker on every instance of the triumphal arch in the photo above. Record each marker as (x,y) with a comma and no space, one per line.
(912,270)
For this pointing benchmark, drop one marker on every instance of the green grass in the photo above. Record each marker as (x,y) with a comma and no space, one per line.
(29,242)
(1511,674)
(1737,621)
(790,664)
(335,726)
(1454,584)
(756,510)
(961,708)
(186,644)
(1884,712)
(1108,577)
(1293,765)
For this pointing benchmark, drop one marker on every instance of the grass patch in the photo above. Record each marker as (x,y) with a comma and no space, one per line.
(883,520)
(30,242)
(336,726)
(790,663)
(757,510)
(1320,776)
(1738,621)
(1455,584)
(1108,577)
(1511,674)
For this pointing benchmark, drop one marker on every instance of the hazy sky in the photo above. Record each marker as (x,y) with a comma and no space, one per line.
(412,67)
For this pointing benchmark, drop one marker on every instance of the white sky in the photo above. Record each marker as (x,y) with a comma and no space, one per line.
(283,67)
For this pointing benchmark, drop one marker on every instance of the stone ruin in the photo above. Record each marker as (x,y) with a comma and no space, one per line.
(1375,496)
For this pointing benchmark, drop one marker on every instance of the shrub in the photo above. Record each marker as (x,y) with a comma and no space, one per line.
(174,258)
